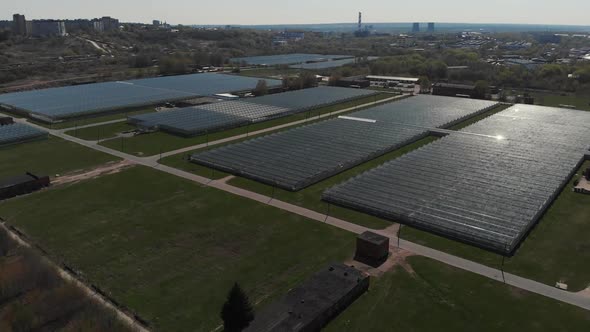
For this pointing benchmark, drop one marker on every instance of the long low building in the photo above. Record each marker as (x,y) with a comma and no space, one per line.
(313,304)
(287,59)
(58,104)
(297,158)
(487,185)
(19,133)
(192,121)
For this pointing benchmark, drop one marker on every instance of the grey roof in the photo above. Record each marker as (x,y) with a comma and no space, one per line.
(80,100)
(486,186)
(312,304)
(15,180)
(302,100)
(188,121)
(300,157)
(18,132)
(223,115)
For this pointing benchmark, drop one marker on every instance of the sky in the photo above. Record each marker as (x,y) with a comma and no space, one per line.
(257,12)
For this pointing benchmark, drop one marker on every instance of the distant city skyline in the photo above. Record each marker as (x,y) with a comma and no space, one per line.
(262,12)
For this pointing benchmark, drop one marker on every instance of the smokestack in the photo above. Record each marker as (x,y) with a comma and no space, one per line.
(360,21)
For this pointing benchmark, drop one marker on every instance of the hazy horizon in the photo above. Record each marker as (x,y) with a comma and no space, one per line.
(266,12)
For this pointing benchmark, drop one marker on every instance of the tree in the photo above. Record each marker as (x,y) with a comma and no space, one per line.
(237,312)
(334,79)
(425,84)
(481,89)
(261,89)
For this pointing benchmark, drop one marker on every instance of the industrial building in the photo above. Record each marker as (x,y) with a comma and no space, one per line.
(22,185)
(416,27)
(359,82)
(404,84)
(48,28)
(430,27)
(313,304)
(60,104)
(453,90)
(372,249)
(6,120)
(19,25)
(483,193)
(106,24)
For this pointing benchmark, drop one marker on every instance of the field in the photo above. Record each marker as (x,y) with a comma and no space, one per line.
(170,249)
(100,132)
(580,102)
(48,157)
(556,250)
(34,298)
(98,119)
(154,143)
(269,72)
(435,297)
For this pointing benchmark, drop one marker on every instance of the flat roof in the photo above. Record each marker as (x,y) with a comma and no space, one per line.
(88,99)
(486,185)
(393,78)
(15,180)
(315,298)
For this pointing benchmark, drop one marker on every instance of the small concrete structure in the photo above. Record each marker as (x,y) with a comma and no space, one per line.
(372,249)
(313,304)
(6,120)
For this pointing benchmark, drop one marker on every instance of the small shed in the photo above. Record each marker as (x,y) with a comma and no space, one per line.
(6,120)
(21,185)
(372,249)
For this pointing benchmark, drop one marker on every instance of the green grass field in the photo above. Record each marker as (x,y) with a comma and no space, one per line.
(437,297)
(180,162)
(268,72)
(98,119)
(556,250)
(154,143)
(170,249)
(580,102)
(48,157)
(100,132)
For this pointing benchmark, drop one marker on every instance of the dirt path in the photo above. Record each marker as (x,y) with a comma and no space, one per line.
(106,169)
(398,257)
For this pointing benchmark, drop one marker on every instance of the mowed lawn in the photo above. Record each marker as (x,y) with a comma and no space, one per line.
(98,133)
(170,249)
(48,157)
(437,297)
(579,102)
(73,123)
(558,248)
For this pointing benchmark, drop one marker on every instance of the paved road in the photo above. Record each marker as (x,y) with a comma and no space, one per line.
(576,299)
(92,125)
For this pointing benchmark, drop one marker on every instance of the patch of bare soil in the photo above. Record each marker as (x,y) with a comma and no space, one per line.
(102,170)
(397,257)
